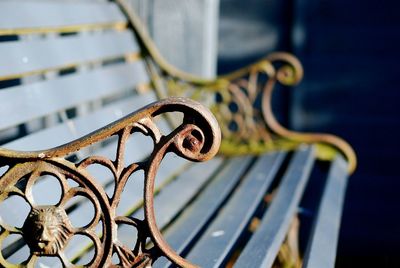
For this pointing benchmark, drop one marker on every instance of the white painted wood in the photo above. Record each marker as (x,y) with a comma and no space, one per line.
(26,102)
(33,55)
(62,133)
(321,250)
(43,14)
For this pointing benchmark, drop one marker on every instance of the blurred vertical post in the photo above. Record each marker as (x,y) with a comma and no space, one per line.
(185,31)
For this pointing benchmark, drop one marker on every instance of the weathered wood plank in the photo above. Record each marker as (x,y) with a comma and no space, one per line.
(49,14)
(19,58)
(77,127)
(216,244)
(193,219)
(264,245)
(26,102)
(321,251)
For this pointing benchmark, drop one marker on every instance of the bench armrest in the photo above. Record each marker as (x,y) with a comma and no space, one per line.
(197,138)
(247,126)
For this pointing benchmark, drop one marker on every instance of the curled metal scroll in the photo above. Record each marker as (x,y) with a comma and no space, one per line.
(241,101)
(47,229)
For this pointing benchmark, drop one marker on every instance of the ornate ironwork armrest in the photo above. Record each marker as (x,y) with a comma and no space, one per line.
(47,229)
(241,101)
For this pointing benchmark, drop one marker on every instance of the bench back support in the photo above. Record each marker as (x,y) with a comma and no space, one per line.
(75,59)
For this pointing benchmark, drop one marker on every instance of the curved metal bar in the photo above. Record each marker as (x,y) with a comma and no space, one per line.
(290,74)
(258,131)
(47,229)
(176,104)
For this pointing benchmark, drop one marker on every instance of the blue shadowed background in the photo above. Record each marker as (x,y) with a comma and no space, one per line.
(350,51)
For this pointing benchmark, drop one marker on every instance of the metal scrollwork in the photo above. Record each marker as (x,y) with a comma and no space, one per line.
(47,229)
(241,101)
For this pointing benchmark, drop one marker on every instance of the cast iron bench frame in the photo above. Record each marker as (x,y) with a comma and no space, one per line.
(196,138)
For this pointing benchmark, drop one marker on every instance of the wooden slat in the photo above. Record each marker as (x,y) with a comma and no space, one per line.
(223,234)
(18,58)
(264,245)
(31,14)
(322,247)
(23,103)
(63,133)
(193,219)
(202,210)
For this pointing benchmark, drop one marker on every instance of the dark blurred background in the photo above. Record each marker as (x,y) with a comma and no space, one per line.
(350,52)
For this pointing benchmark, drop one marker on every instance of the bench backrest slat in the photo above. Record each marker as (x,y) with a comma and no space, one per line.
(39,99)
(19,58)
(80,126)
(20,15)
(58,56)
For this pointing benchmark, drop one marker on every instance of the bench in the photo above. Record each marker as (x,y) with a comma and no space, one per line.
(119,188)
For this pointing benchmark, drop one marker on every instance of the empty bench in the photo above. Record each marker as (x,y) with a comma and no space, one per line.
(119,188)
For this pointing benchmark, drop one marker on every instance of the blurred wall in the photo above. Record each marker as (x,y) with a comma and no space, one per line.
(350,51)
(249,29)
(350,54)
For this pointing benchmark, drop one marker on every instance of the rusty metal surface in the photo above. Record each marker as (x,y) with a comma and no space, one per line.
(247,126)
(47,229)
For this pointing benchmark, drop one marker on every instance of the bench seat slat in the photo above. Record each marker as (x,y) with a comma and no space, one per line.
(264,245)
(49,14)
(193,219)
(23,103)
(23,57)
(321,250)
(221,236)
